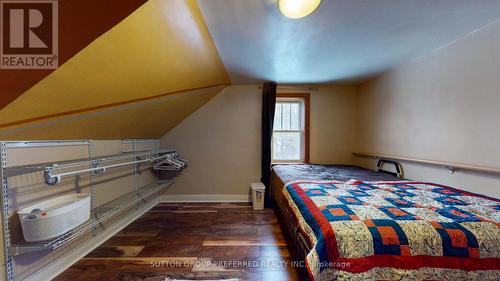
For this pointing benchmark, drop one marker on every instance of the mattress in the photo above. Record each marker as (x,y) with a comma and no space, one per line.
(288,173)
(358,229)
(283,174)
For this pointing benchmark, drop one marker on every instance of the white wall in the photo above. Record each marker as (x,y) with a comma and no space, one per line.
(222,140)
(444,106)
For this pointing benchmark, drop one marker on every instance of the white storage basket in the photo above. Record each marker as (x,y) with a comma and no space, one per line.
(51,218)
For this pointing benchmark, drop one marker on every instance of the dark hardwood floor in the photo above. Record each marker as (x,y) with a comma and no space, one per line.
(197,241)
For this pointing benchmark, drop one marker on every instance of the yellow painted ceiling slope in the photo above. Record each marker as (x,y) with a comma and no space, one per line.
(147,119)
(163,47)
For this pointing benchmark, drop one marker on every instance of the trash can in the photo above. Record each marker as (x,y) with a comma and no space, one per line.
(258,191)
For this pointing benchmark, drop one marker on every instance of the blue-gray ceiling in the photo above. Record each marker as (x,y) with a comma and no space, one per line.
(344,40)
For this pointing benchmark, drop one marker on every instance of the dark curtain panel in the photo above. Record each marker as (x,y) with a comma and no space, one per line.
(268,106)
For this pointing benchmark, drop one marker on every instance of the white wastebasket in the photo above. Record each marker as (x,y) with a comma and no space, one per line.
(258,191)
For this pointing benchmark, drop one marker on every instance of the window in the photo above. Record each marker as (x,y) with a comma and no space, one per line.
(290,133)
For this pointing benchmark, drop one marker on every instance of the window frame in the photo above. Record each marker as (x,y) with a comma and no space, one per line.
(305,137)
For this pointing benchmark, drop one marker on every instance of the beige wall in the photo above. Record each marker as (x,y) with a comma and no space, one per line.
(334,124)
(444,106)
(222,139)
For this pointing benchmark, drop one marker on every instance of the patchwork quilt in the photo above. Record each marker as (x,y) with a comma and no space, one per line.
(396,230)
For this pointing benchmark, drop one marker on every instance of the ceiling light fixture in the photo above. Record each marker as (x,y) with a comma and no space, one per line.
(296,9)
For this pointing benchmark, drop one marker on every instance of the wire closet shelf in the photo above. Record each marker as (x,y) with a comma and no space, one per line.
(55,171)
(97,165)
(102,214)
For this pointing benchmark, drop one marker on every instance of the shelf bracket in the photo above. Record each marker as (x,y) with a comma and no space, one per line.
(451,169)
(92,188)
(9,273)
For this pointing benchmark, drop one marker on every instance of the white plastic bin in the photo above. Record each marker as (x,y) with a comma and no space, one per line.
(258,191)
(51,218)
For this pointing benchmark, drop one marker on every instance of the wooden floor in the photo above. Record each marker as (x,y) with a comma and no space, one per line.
(197,242)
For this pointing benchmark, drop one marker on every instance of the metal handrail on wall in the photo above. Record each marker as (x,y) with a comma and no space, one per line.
(452,167)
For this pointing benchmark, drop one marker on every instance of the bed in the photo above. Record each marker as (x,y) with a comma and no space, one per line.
(355,224)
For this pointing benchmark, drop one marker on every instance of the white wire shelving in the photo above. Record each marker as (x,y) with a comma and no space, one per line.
(103,213)
(93,166)
(84,165)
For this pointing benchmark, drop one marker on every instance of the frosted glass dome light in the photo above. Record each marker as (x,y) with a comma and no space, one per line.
(296,9)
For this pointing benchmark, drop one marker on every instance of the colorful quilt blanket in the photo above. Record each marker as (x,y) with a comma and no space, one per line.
(396,230)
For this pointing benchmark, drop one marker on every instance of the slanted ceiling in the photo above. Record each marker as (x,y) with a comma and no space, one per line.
(75,33)
(137,80)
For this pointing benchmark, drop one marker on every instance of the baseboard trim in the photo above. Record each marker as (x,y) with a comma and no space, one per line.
(56,267)
(205,198)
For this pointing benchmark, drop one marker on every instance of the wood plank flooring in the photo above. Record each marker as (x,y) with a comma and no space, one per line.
(197,241)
